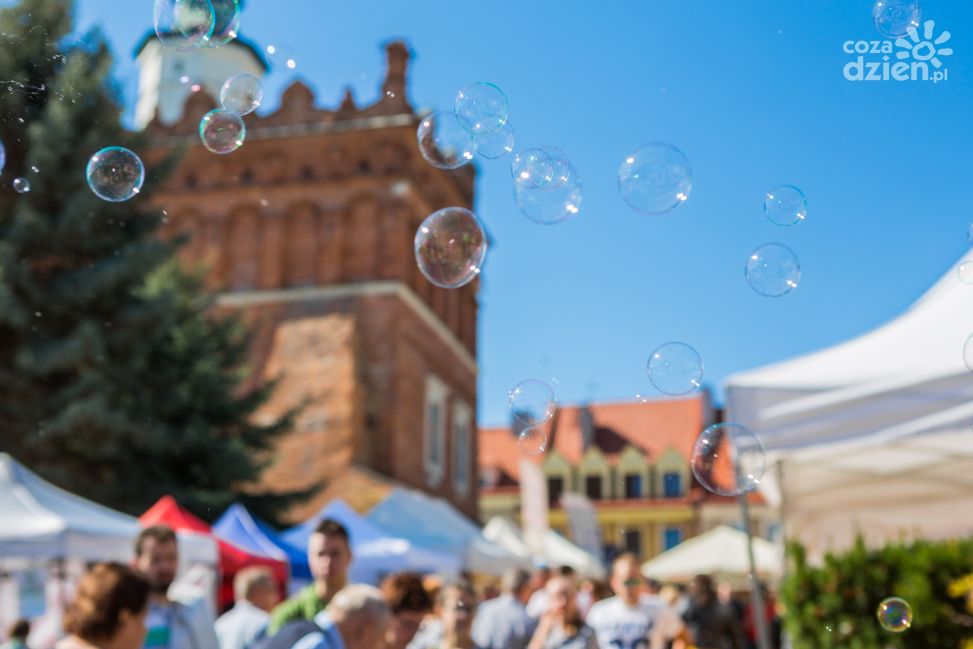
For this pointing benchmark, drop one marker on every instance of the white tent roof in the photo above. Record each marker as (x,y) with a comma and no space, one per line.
(721,552)
(872,434)
(433,524)
(557,549)
(41,521)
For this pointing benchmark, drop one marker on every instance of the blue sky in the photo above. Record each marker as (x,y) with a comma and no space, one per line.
(752,92)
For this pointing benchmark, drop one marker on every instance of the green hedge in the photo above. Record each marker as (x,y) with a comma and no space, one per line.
(835,604)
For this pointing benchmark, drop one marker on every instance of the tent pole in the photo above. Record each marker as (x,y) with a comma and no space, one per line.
(756,597)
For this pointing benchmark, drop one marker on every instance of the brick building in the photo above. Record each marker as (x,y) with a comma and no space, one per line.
(308,231)
(632,461)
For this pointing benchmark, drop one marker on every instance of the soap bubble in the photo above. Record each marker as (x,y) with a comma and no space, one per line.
(496,144)
(226,25)
(728,459)
(965,271)
(532,168)
(532,441)
(21,185)
(894,614)
(675,368)
(785,205)
(558,196)
(893,18)
(3,157)
(222,132)
(532,402)
(241,94)
(773,270)
(655,178)
(967,350)
(184,24)
(115,174)
(443,142)
(450,247)
(481,108)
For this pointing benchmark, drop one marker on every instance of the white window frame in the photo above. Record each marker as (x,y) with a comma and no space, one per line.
(462,432)
(434,441)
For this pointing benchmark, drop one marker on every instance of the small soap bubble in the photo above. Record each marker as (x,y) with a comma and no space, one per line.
(496,144)
(532,402)
(532,168)
(481,108)
(443,142)
(532,441)
(894,18)
(559,195)
(226,24)
(655,178)
(222,132)
(115,174)
(965,271)
(21,185)
(785,205)
(241,94)
(728,459)
(773,270)
(894,614)
(450,246)
(675,369)
(184,24)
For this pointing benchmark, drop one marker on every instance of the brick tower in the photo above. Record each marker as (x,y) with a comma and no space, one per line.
(308,229)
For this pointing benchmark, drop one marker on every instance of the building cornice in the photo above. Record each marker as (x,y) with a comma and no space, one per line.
(240,299)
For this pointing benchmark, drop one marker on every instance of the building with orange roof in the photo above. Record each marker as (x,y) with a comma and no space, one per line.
(631,460)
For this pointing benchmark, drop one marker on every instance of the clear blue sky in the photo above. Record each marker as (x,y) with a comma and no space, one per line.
(752,92)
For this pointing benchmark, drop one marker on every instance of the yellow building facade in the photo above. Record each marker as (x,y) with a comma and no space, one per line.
(631,460)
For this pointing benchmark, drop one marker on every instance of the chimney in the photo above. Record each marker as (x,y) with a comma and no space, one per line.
(394,87)
(586,421)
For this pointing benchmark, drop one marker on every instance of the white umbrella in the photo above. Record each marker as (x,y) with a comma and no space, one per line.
(721,552)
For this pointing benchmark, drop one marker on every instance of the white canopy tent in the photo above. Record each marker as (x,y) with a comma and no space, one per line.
(721,552)
(433,524)
(39,521)
(558,551)
(872,435)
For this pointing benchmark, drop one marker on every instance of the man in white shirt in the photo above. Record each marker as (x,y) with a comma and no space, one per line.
(255,594)
(169,624)
(503,623)
(624,622)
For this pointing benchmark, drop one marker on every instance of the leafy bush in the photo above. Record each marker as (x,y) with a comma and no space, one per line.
(835,604)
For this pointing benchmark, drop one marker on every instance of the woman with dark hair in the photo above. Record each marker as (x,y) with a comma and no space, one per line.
(17,635)
(410,603)
(108,611)
(561,626)
(711,624)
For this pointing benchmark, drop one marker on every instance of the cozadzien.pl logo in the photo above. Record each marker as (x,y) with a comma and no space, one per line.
(917,56)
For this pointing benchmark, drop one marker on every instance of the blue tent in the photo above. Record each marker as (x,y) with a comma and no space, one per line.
(237,526)
(375,551)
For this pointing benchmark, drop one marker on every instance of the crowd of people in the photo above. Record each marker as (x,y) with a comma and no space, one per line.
(128,607)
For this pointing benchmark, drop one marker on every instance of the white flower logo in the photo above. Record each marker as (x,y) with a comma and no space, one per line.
(924,49)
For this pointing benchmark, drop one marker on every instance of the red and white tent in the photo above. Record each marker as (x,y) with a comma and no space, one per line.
(196,538)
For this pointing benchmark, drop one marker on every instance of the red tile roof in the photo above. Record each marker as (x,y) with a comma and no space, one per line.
(652,427)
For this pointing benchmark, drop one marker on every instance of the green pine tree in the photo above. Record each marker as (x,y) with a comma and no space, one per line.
(115,380)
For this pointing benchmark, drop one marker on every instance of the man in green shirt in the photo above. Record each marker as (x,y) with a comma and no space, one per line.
(328,556)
